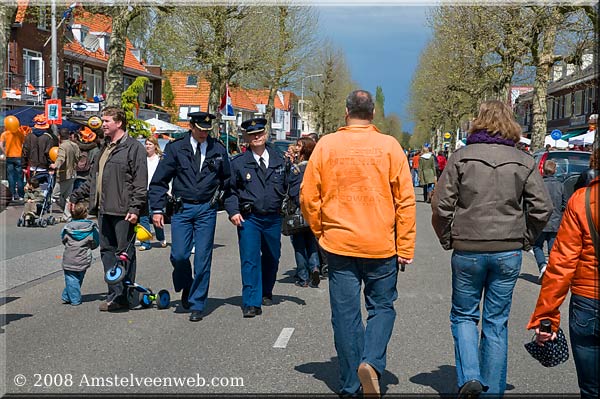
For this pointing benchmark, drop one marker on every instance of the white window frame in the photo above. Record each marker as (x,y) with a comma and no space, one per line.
(36,79)
(76,71)
(184,110)
(88,76)
(98,89)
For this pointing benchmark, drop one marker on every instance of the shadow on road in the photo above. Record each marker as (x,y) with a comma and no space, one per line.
(93,297)
(530,277)
(443,380)
(213,304)
(290,277)
(328,372)
(6,319)
(7,299)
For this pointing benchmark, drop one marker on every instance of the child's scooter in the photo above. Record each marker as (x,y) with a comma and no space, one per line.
(136,293)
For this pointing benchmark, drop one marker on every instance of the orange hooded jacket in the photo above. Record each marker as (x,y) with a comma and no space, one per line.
(572,262)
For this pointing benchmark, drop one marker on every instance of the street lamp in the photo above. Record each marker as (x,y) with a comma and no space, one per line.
(302,92)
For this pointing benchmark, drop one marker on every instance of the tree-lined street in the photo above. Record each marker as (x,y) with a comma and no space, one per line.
(47,343)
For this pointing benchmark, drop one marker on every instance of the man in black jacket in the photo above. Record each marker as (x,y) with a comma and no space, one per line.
(116,189)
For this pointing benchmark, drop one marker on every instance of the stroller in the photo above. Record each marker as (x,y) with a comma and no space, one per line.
(42,216)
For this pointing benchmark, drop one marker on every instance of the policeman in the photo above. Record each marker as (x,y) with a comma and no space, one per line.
(253,202)
(199,168)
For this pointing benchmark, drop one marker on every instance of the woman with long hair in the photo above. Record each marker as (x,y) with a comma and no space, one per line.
(489,205)
(154,154)
(306,248)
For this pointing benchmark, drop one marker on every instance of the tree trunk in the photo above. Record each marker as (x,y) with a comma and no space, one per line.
(118,45)
(545,62)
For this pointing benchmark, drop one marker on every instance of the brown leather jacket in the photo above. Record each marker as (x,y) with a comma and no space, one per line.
(490,197)
(573,262)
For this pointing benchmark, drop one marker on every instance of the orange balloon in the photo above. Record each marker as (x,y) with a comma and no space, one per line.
(53,153)
(11,123)
(153,129)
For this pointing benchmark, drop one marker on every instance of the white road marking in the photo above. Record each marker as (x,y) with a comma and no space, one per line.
(283,338)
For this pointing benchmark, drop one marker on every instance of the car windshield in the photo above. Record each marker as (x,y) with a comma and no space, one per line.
(568,162)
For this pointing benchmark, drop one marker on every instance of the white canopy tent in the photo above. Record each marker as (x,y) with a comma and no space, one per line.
(584,139)
(163,127)
(525,140)
(555,143)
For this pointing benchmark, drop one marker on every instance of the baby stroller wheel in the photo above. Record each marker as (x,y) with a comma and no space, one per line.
(114,275)
(20,222)
(51,220)
(146,301)
(163,300)
(133,297)
(43,223)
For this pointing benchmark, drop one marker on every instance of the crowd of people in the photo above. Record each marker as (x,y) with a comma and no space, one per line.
(489,204)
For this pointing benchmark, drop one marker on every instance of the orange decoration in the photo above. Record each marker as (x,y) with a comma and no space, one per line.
(152,129)
(53,154)
(11,123)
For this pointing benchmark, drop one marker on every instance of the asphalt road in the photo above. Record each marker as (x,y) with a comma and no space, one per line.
(55,348)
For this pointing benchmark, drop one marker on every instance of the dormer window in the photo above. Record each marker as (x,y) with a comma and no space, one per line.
(192,80)
(107,44)
(43,18)
(84,33)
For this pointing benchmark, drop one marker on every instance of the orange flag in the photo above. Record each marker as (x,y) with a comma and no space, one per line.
(49,91)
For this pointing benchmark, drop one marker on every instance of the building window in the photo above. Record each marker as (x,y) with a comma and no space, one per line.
(549,108)
(562,107)
(150,93)
(584,100)
(76,71)
(184,110)
(568,105)
(98,89)
(43,18)
(107,44)
(33,66)
(84,32)
(577,103)
(192,80)
(592,99)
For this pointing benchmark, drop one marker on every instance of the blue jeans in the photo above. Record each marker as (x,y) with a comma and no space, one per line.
(160,233)
(306,252)
(538,247)
(354,343)
(584,332)
(14,174)
(260,249)
(72,291)
(193,226)
(492,275)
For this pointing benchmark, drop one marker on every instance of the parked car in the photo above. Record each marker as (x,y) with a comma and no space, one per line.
(282,145)
(569,165)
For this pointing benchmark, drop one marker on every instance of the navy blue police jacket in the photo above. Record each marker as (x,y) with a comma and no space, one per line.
(247,185)
(178,164)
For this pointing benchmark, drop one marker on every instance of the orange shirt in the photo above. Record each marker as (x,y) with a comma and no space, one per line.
(12,143)
(415,164)
(357,194)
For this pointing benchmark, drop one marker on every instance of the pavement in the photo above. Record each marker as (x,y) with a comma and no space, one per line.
(49,347)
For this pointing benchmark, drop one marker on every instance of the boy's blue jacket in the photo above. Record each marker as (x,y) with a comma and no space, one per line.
(79,237)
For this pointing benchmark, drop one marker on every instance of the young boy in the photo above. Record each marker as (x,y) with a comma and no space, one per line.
(33,197)
(80,236)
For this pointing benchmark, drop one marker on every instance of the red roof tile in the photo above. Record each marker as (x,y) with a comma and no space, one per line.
(21,11)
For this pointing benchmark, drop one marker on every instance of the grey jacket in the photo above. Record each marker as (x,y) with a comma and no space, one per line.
(490,197)
(79,238)
(68,155)
(559,198)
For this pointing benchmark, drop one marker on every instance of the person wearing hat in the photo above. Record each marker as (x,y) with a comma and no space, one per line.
(88,141)
(64,166)
(198,167)
(253,202)
(36,147)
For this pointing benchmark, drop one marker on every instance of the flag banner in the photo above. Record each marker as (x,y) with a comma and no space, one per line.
(226,107)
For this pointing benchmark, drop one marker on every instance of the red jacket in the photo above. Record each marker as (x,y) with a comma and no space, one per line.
(441,162)
(572,262)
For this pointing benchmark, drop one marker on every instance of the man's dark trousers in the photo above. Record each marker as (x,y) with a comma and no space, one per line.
(116,236)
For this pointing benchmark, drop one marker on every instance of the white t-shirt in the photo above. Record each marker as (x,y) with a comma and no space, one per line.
(152,164)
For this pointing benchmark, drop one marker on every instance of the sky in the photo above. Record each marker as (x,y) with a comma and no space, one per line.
(382,45)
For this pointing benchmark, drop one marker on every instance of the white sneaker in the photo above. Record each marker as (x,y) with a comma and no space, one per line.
(163,243)
(137,243)
(542,271)
(194,249)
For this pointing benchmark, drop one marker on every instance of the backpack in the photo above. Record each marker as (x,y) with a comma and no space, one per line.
(84,163)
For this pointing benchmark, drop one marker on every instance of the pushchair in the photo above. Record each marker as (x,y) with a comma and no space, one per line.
(43,215)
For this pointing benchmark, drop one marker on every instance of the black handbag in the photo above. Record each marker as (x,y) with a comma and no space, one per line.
(552,353)
(292,221)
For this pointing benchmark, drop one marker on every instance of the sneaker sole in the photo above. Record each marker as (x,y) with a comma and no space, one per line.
(369,381)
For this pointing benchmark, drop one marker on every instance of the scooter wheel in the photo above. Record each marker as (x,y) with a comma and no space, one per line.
(133,297)
(163,299)
(114,275)
(146,301)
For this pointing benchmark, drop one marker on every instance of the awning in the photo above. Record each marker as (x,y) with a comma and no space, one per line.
(573,133)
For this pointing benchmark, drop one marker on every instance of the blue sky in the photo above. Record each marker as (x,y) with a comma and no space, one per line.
(382,45)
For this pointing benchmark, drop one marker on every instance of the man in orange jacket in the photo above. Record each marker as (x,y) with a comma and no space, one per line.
(358,198)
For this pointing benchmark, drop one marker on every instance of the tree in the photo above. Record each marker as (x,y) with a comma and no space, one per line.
(131,104)
(379,117)
(168,98)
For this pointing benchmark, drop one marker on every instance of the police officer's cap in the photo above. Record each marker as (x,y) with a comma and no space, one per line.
(254,125)
(202,120)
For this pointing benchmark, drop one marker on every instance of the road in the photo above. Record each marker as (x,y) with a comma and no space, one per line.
(55,348)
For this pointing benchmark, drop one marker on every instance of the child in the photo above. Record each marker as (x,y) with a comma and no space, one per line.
(559,200)
(79,237)
(33,197)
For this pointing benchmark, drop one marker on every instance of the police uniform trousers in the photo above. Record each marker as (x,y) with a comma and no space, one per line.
(116,236)
(193,225)
(259,239)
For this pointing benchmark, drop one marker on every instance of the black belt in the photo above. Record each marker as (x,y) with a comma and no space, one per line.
(195,202)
